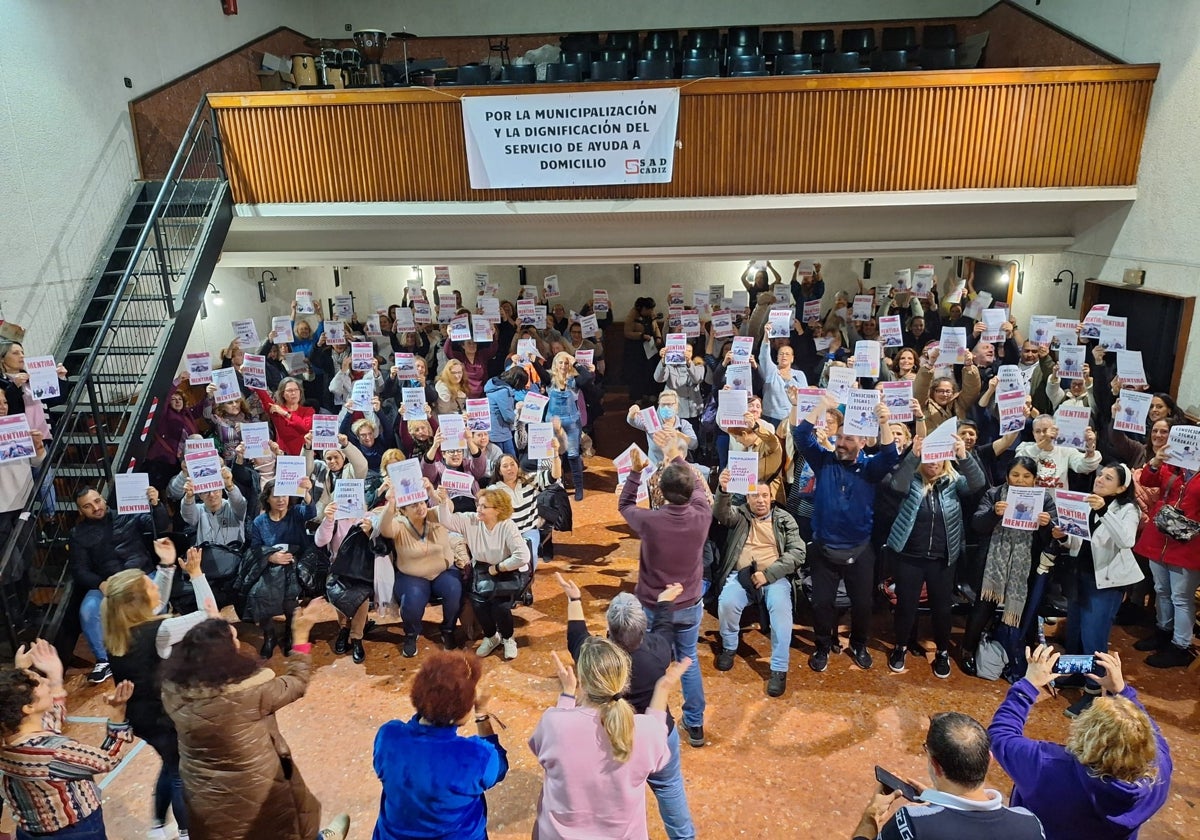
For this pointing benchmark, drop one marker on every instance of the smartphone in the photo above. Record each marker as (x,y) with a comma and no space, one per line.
(891,782)
(1075,664)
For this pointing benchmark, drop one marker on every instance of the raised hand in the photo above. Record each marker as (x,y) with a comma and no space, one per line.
(569,588)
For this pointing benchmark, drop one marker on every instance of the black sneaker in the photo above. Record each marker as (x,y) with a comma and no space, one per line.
(410,647)
(449,641)
(696,735)
(861,656)
(968,666)
(342,642)
(896,660)
(819,660)
(357,652)
(777,684)
(1081,705)
(1171,656)
(1158,640)
(724,660)
(941,664)
(100,672)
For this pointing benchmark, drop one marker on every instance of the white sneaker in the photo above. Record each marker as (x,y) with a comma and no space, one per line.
(164,832)
(338,828)
(488,645)
(510,649)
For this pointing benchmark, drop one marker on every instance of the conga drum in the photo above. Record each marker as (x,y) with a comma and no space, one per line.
(330,68)
(352,67)
(304,70)
(371,43)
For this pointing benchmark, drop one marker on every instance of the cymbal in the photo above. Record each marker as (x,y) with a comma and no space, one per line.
(318,42)
(404,36)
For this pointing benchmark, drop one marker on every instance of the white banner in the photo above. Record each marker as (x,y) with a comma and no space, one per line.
(571,139)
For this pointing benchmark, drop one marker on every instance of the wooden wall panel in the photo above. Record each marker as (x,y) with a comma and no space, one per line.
(964,129)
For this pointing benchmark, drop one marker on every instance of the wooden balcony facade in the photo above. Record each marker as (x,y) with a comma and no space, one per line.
(856,133)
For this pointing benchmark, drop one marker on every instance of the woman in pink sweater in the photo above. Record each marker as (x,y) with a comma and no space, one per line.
(596,752)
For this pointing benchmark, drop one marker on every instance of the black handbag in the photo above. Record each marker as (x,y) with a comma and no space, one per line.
(1172,521)
(220,562)
(499,587)
(312,572)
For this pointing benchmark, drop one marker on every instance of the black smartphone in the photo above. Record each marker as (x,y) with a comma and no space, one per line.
(1075,664)
(891,782)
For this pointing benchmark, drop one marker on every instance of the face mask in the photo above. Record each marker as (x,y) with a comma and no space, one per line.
(666,412)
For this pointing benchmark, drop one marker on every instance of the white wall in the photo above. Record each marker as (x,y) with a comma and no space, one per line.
(67,157)
(469,17)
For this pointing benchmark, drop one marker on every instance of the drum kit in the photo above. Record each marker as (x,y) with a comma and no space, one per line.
(354,67)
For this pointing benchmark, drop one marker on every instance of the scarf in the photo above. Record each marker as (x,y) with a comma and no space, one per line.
(1006,570)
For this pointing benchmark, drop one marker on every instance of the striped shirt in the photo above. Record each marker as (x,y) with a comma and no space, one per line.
(524,500)
(47,778)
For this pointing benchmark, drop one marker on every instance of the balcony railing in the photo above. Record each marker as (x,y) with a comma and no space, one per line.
(863,132)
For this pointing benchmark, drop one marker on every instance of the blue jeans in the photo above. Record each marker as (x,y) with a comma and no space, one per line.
(667,785)
(687,634)
(89,618)
(90,827)
(412,593)
(507,447)
(733,601)
(1090,615)
(1175,590)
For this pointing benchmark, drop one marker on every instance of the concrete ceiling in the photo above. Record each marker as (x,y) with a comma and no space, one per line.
(1000,221)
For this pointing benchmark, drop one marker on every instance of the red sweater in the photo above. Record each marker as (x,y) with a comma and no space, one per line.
(672,542)
(289,431)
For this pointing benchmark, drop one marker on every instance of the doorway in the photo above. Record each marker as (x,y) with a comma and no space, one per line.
(1159,325)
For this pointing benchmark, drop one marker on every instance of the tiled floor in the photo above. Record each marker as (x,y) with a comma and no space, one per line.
(797,767)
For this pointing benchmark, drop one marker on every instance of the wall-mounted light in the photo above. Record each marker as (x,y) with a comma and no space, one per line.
(216,295)
(867,265)
(637,274)
(337,278)
(1073,290)
(1020,275)
(262,284)
(521,275)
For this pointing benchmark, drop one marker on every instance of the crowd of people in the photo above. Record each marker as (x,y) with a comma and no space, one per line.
(783,470)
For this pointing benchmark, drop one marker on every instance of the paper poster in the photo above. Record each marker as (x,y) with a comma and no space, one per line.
(1092,321)
(460,328)
(715,295)
(1041,329)
(862,307)
(281,329)
(589,326)
(1065,331)
(254,371)
(781,322)
(742,349)
(957,289)
(1072,423)
(897,396)
(839,383)
(454,431)
(1113,332)
(422,312)
(246,334)
(441,275)
(335,333)
(481,280)
(922,281)
(541,438)
(406,366)
(256,437)
(204,471)
(699,299)
(675,347)
(343,307)
(731,409)
(540,316)
(529,293)
(372,328)
(860,413)
(199,368)
(408,485)
(624,461)
(447,309)
(738,377)
(479,416)
(457,483)
(993,325)
(489,308)
(296,364)
(585,357)
(939,444)
(362,393)
(1130,369)
(413,402)
(43,376)
(415,290)
(1010,379)
(807,399)
(883,293)
(533,409)
(866,359)
(226,382)
(526,315)
(1024,505)
(1010,407)
(131,491)
(550,284)
(362,354)
(743,472)
(741,299)
(198,444)
(1183,447)
(689,322)
(978,305)
(902,279)
(1134,411)
(527,348)
(891,333)
(600,304)
(675,296)
(722,323)
(481,330)
(1071,359)
(304,302)
(349,494)
(324,432)
(953,346)
(1074,513)
(812,310)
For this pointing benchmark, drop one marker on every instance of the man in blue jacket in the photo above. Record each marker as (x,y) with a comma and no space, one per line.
(843,508)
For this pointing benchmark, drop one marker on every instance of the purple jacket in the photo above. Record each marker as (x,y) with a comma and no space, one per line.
(1050,781)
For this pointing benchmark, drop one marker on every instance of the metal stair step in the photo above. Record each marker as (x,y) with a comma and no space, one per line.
(79,471)
(129,323)
(113,351)
(132,298)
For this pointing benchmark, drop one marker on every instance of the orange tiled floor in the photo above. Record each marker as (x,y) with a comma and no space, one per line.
(795,767)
